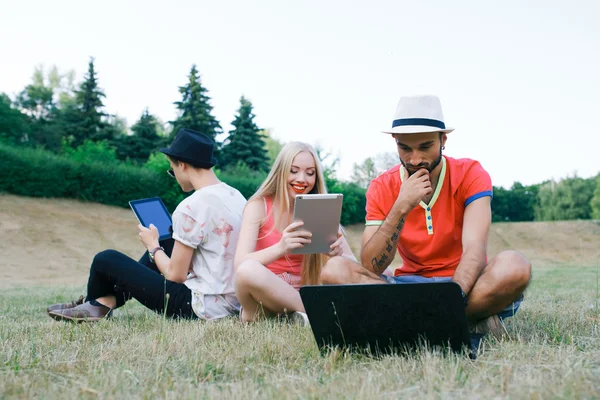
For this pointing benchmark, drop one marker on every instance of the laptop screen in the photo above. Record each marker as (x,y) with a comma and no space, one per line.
(386,318)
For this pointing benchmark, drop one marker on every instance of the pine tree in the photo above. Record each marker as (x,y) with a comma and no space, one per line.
(144,141)
(88,122)
(245,144)
(194,109)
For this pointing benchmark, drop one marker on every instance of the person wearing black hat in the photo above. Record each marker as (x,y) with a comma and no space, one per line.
(196,264)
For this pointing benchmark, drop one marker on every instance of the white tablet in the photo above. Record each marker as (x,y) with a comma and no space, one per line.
(321,216)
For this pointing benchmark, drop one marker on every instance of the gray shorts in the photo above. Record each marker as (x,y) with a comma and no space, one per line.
(507,312)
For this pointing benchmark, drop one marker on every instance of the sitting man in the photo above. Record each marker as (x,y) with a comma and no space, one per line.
(436,211)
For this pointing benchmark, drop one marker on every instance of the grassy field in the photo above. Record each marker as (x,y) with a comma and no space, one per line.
(552,351)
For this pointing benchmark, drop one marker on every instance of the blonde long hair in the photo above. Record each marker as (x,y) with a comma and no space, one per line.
(275,186)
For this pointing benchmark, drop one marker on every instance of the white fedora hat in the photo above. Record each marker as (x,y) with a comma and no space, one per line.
(418,114)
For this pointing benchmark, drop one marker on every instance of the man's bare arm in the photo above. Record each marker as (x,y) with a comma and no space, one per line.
(380,242)
(379,246)
(476,226)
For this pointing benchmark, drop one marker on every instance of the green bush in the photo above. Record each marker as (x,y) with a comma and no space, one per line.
(242,178)
(568,199)
(353,208)
(172,193)
(90,152)
(39,173)
(595,201)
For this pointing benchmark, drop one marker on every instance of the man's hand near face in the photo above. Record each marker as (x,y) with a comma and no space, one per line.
(415,188)
(380,242)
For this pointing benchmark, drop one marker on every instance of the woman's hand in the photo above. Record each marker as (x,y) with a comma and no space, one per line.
(149,237)
(292,239)
(336,248)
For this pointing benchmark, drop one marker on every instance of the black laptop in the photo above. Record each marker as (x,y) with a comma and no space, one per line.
(387,319)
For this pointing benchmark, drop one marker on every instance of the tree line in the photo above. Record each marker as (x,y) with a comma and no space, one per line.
(569,198)
(55,114)
(64,126)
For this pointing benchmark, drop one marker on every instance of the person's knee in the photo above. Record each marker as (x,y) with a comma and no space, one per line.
(247,274)
(104,258)
(333,269)
(516,267)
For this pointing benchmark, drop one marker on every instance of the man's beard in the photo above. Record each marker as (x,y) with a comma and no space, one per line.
(427,166)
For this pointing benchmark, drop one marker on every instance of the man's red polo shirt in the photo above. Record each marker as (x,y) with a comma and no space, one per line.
(430,243)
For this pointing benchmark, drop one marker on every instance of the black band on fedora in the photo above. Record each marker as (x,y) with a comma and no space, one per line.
(419,121)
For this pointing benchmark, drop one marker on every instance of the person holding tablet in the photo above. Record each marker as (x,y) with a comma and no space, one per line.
(268,275)
(197,274)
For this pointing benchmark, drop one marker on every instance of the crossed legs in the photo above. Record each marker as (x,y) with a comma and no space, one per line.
(502,281)
(110,300)
(259,290)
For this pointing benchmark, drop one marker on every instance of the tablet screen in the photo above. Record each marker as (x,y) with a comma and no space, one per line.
(321,216)
(153,211)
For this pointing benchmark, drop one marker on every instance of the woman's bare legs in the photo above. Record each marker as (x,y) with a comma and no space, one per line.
(259,290)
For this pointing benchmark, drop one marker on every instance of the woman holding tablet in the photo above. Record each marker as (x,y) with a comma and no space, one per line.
(268,275)
(193,280)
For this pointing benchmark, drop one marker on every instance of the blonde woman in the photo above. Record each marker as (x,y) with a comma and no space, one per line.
(267,275)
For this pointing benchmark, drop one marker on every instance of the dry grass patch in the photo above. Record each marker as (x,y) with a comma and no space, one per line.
(553,348)
(553,351)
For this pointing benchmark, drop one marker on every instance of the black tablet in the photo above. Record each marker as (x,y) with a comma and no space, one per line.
(153,211)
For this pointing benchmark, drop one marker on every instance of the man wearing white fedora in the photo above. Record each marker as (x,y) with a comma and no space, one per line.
(435,212)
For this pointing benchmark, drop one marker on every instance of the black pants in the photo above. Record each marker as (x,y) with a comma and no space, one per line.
(114,273)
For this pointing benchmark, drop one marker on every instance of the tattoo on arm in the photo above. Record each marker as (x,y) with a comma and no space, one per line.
(379,265)
(400,225)
(376,265)
(389,247)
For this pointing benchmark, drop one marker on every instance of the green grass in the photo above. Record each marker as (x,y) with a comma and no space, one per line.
(553,352)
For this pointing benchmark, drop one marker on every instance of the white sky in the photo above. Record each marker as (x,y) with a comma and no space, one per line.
(518,80)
